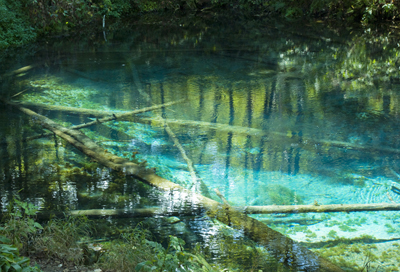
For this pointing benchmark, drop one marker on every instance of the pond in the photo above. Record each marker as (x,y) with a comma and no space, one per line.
(266,112)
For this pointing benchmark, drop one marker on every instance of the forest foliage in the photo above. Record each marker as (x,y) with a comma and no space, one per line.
(22,21)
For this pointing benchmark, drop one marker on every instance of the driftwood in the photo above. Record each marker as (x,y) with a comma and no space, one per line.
(260,132)
(284,249)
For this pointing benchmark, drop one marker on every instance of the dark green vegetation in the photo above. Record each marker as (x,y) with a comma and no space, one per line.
(21,21)
(70,241)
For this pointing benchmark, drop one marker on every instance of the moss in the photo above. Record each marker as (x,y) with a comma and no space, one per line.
(312,235)
(332,234)
(91,166)
(347,228)
(391,229)
(300,228)
(355,249)
(280,195)
(332,223)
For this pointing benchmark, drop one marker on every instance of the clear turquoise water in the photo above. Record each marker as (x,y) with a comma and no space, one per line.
(275,115)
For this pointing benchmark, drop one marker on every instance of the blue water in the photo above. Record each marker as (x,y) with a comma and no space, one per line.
(270,117)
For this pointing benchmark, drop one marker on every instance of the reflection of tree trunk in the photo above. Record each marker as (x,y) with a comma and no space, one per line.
(284,249)
(228,163)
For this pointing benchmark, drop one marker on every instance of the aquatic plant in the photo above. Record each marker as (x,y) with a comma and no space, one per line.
(280,195)
(332,234)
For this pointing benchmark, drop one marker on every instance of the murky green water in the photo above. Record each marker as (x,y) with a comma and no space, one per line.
(272,114)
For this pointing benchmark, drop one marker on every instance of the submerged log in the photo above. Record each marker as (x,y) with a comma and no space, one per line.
(284,249)
(119,116)
(130,116)
(271,209)
(319,208)
(18,71)
(67,110)
(197,183)
(123,213)
(261,133)
(104,115)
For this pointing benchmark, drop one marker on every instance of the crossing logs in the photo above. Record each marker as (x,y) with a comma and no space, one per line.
(285,250)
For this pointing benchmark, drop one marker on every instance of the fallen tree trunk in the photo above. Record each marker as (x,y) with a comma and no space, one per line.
(197,183)
(320,208)
(260,133)
(272,209)
(284,249)
(129,116)
(124,213)
(110,116)
(67,110)
(104,115)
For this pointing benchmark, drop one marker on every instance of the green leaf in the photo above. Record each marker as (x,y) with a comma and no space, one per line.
(141,265)
(4,240)
(5,248)
(17,267)
(37,225)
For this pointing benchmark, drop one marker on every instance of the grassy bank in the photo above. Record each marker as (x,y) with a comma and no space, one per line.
(79,244)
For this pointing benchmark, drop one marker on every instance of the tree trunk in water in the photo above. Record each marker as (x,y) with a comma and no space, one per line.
(284,249)
(265,133)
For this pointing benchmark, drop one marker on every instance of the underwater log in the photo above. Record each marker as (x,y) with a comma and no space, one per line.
(271,209)
(197,182)
(68,110)
(285,250)
(110,116)
(261,133)
(319,208)
(18,71)
(104,115)
(123,213)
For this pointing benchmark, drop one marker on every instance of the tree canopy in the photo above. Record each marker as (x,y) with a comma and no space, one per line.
(22,21)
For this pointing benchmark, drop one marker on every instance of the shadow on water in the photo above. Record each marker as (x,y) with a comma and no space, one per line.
(272,115)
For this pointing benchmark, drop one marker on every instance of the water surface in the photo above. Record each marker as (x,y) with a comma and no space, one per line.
(273,114)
